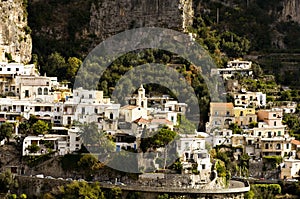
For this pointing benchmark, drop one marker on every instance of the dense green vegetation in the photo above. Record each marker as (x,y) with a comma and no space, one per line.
(6,131)
(262,191)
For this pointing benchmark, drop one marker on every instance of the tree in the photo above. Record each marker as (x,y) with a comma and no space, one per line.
(114,193)
(56,62)
(40,127)
(81,190)
(73,66)
(89,162)
(24,128)
(235,128)
(95,140)
(7,181)
(186,126)
(162,139)
(244,164)
(33,148)
(6,131)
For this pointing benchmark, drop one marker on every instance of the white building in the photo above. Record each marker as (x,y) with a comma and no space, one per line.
(290,169)
(61,144)
(233,67)
(249,99)
(191,149)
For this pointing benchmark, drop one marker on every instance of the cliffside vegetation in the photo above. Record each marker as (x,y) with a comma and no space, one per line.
(227,29)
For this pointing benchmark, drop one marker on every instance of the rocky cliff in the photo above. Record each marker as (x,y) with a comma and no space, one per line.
(75,27)
(290,10)
(15,39)
(110,17)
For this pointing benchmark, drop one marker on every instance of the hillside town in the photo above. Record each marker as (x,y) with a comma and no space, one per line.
(247,125)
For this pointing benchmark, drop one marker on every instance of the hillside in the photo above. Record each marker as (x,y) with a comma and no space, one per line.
(73,28)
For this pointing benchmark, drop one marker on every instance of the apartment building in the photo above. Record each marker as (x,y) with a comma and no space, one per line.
(221,116)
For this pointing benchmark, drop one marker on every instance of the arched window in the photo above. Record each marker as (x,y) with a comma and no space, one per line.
(40,91)
(278,146)
(45,91)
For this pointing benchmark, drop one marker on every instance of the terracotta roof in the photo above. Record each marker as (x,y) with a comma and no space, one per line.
(2,119)
(161,121)
(141,120)
(128,107)
(295,142)
(221,105)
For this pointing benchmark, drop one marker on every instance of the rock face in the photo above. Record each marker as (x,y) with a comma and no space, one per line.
(110,17)
(14,33)
(290,10)
(76,25)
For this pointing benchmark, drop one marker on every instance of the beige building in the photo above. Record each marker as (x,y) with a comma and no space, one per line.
(273,117)
(221,115)
(280,146)
(244,116)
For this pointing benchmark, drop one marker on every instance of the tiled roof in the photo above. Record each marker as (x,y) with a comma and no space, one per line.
(141,120)
(128,107)
(161,121)
(221,105)
(295,142)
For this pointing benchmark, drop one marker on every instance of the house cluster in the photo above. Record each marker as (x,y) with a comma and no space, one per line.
(25,93)
(244,124)
(249,127)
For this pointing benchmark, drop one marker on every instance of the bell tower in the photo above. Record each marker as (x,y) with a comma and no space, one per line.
(142,99)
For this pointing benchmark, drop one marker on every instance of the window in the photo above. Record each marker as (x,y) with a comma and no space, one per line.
(269,134)
(90,96)
(17,69)
(40,91)
(45,91)
(287,146)
(111,116)
(266,146)
(250,119)
(216,113)
(96,110)
(274,115)
(8,69)
(278,146)
(82,110)
(279,133)
(274,123)
(26,93)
